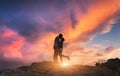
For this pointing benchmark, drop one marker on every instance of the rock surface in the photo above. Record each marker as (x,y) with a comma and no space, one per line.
(47,68)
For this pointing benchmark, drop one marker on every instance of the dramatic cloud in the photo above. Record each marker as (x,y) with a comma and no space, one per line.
(28,28)
(10,44)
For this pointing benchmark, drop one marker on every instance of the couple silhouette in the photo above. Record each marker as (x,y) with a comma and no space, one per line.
(58,48)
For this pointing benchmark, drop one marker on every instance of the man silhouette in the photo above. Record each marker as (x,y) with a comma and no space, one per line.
(58,48)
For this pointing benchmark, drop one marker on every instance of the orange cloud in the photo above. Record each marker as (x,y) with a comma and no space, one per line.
(97,20)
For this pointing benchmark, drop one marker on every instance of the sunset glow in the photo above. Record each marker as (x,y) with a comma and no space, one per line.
(91,30)
(65,64)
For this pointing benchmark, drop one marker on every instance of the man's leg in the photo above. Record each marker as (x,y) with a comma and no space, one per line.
(60,54)
(55,56)
(56,52)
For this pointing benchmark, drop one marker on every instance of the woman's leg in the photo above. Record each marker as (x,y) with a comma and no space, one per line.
(61,56)
(66,57)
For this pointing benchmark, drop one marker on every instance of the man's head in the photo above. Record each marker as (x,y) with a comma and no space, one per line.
(60,35)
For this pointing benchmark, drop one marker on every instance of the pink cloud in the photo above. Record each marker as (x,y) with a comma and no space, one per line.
(10,43)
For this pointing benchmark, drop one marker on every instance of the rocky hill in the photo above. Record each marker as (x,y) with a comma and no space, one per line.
(46,68)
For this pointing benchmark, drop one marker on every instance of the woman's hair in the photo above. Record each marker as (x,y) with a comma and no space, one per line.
(60,35)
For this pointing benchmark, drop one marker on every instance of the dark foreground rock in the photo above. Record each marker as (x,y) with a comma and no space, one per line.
(47,68)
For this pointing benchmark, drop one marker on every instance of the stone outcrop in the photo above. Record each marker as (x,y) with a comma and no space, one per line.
(47,68)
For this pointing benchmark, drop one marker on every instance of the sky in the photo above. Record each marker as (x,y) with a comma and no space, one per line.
(91,29)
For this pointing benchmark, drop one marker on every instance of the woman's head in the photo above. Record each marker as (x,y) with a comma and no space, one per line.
(60,35)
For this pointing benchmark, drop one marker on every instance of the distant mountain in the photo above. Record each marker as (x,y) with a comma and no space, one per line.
(47,68)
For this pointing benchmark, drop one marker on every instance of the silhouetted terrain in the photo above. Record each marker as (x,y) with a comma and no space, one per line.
(46,68)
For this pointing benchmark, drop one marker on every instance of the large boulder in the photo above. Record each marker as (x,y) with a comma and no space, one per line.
(113,64)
